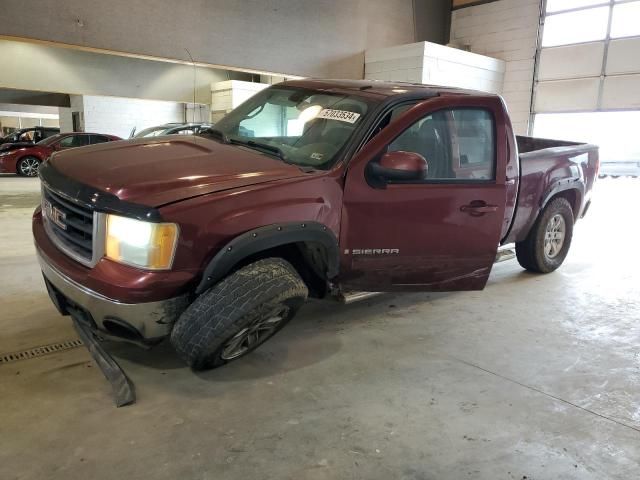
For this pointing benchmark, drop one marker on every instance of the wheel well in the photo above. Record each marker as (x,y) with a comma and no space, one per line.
(308,258)
(30,155)
(572,196)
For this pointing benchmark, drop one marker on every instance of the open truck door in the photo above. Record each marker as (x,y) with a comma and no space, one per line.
(432,226)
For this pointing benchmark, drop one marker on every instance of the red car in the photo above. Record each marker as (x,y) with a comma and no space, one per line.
(24,159)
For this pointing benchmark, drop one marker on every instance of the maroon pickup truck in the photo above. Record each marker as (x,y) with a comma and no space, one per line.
(310,188)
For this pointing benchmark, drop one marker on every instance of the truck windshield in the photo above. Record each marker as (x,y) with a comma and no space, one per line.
(303,127)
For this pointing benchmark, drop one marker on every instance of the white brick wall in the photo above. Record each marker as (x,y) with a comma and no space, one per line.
(508,30)
(118,116)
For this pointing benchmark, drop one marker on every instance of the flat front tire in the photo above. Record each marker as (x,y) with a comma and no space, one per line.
(238,314)
(548,242)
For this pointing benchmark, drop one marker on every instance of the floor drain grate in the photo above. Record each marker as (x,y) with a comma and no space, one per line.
(39,351)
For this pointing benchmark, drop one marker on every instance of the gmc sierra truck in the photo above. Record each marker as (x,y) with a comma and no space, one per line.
(311,188)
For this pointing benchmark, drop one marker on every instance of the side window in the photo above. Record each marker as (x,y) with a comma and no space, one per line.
(66,142)
(74,141)
(99,139)
(458,144)
(474,144)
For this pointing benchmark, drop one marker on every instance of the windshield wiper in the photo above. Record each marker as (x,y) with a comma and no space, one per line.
(214,132)
(264,147)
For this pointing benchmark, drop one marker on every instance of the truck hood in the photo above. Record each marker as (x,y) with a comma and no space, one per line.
(163,170)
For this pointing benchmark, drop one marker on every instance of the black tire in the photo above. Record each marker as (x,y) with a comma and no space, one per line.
(25,168)
(244,303)
(531,252)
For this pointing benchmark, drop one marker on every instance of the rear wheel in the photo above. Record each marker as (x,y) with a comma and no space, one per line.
(548,242)
(238,314)
(28,166)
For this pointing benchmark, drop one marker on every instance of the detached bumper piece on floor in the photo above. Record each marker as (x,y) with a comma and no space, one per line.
(123,390)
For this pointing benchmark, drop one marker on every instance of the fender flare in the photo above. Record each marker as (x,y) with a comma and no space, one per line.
(264,238)
(564,186)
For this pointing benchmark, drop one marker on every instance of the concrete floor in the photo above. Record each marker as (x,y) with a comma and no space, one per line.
(537,377)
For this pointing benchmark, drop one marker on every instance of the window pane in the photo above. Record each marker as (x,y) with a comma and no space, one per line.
(626,20)
(457,144)
(474,132)
(99,139)
(559,5)
(66,142)
(575,27)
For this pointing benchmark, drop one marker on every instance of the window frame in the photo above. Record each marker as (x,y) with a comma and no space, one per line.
(611,4)
(451,181)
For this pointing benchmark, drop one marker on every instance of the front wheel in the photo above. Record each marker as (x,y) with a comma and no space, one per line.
(238,314)
(548,242)
(28,166)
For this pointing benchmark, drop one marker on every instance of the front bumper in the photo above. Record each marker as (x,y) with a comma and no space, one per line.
(142,323)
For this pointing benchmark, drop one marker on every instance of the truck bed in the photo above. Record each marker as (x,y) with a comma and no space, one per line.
(549,168)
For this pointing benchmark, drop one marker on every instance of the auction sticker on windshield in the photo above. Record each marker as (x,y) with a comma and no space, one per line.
(340,115)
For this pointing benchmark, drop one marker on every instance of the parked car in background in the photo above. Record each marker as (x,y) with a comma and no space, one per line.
(626,168)
(30,135)
(171,129)
(24,159)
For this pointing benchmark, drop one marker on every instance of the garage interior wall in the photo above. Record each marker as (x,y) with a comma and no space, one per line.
(46,68)
(507,30)
(119,116)
(278,36)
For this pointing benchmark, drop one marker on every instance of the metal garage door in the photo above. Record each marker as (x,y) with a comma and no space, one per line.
(588,74)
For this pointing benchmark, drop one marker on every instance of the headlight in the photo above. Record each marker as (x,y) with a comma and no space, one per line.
(141,244)
(2,154)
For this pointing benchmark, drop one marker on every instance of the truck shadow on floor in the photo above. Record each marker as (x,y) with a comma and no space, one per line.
(313,336)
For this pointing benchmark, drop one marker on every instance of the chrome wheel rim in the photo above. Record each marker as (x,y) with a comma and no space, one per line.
(554,236)
(29,167)
(254,334)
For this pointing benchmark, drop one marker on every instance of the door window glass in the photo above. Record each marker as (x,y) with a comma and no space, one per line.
(50,133)
(74,141)
(184,131)
(99,139)
(458,144)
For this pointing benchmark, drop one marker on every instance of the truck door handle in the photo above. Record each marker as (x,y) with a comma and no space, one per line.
(478,208)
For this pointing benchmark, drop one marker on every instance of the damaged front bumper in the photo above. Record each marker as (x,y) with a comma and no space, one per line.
(140,323)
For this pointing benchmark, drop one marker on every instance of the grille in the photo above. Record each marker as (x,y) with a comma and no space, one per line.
(69,224)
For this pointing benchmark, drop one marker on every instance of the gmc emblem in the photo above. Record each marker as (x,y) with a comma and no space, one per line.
(53,214)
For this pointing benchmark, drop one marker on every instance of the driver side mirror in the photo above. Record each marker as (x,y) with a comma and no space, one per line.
(400,166)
